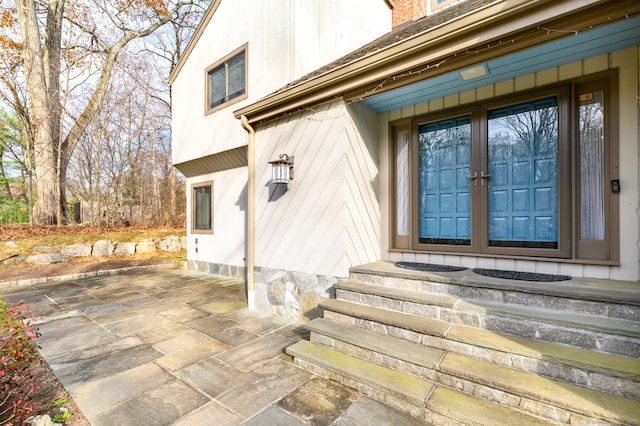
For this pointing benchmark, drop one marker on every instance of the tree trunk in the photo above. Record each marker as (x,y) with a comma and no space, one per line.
(46,206)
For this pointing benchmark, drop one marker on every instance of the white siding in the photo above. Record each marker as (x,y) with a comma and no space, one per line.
(627,61)
(227,244)
(329,219)
(286,39)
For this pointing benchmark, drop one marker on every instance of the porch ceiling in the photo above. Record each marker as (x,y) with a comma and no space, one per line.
(585,44)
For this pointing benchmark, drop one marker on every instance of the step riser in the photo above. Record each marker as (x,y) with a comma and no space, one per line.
(596,381)
(609,310)
(613,385)
(587,339)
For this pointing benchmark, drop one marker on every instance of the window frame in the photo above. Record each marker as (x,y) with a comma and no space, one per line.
(194,208)
(208,109)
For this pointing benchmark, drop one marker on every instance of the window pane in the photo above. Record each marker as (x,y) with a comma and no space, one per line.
(236,76)
(217,86)
(444,199)
(592,166)
(523,165)
(402,183)
(202,208)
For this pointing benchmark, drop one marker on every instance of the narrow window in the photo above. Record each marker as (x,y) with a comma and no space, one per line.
(226,81)
(202,208)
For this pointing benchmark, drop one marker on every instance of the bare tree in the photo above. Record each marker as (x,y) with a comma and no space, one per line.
(81,38)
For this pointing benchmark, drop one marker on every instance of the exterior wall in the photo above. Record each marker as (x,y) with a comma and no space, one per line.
(288,38)
(628,63)
(226,247)
(328,218)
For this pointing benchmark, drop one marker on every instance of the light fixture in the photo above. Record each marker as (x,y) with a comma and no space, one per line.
(282,169)
(474,72)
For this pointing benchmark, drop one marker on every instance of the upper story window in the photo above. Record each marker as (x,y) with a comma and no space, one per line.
(435,5)
(227,81)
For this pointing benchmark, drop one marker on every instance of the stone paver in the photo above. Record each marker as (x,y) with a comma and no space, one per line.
(173,347)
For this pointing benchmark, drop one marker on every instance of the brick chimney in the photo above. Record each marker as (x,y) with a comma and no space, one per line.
(407,11)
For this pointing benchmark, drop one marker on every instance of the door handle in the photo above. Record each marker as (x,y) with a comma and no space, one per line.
(484,176)
(474,178)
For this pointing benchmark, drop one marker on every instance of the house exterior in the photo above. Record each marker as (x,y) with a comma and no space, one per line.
(497,134)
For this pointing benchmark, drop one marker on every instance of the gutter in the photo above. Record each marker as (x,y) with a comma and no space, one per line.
(251,197)
(482,26)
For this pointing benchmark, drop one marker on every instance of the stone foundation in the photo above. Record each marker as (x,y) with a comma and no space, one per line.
(293,295)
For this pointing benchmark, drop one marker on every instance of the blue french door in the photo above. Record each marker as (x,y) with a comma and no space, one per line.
(522,185)
(490,184)
(444,205)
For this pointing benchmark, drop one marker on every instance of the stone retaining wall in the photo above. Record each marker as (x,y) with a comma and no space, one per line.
(53,254)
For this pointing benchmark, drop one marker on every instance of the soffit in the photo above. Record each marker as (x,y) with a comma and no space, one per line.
(221,161)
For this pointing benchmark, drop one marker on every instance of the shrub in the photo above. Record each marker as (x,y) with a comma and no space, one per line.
(18,352)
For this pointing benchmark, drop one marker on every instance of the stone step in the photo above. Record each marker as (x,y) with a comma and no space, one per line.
(490,315)
(374,303)
(420,398)
(609,373)
(574,399)
(608,298)
(559,400)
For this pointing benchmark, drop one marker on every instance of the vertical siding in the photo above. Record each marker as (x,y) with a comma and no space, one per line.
(286,40)
(627,61)
(329,218)
(227,244)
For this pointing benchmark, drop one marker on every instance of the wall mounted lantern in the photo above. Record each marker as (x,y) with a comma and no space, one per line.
(282,169)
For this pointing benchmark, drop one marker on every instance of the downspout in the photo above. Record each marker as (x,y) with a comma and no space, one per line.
(251,196)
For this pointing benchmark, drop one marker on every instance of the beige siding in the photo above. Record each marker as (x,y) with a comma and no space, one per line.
(286,39)
(328,219)
(627,61)
(227,244)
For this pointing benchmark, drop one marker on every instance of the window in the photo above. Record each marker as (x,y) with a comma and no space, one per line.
(439,4)
(202,208)
(227,81)
(527,175)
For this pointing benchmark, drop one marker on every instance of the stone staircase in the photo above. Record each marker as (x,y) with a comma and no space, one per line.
(460,348)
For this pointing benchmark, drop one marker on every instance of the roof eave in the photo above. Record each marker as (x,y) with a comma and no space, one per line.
(496,19)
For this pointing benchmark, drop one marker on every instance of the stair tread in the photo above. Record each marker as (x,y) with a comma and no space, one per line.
(448,402)
(553,316)
(441,300)
(414,353)
(569,319)
(601,362)
(395,382)
(616,409)
(611,291)
(398,319)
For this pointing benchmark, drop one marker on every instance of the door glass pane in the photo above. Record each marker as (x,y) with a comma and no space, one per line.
(444,203)
(402,183)
(523,165)
(592,166)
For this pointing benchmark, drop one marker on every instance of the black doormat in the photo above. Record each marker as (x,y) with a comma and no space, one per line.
(429,267)
(521,276)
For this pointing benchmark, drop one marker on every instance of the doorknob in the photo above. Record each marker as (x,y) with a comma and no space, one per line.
(484,176)
(474,178)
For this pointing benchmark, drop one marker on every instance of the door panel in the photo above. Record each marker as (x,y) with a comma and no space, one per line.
(522,186)
(444,162)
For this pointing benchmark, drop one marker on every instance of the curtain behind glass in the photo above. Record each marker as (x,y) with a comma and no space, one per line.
(592,200)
